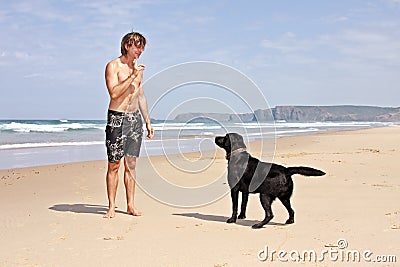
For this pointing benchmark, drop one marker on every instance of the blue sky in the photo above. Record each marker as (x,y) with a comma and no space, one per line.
(53,53)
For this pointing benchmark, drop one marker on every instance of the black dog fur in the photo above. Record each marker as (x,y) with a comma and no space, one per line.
(271,180)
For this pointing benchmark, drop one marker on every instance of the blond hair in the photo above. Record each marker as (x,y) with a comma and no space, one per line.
(132,38)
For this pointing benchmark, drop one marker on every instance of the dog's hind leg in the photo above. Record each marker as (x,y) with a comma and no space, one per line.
(245,198)
(286,203)
(235,200)
(266,202)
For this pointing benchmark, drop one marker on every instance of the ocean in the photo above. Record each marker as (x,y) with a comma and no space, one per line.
(27,143)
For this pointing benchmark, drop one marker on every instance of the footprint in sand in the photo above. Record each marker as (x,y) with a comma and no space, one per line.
(114,238)
(394,218)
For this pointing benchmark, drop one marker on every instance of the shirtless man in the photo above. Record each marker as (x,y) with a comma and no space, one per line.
(124,128)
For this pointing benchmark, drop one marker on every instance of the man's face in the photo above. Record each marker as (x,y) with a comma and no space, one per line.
(135,51)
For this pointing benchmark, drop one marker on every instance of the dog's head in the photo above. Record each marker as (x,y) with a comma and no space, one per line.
(230,142)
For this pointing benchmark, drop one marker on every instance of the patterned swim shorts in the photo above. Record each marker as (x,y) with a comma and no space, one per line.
(124,133)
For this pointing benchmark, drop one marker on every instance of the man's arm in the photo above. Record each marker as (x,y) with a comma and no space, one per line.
(145,112)
(116,89)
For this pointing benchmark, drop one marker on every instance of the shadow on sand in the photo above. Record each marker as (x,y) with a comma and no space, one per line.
(82,208)
(223,219)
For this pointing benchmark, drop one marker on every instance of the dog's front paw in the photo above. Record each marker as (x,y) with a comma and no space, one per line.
(231,220)
(290,221)
(257,226)
(242,216)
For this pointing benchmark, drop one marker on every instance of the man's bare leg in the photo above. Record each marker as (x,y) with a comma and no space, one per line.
(112,184)
(130,184)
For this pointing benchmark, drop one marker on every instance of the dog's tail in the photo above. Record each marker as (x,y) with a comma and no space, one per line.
(307,171)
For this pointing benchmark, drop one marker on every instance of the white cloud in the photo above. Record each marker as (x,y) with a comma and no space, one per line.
(34,75)
(288,43)
(336,19)
(395,3)
(42,10)
(376,48)
(21,55)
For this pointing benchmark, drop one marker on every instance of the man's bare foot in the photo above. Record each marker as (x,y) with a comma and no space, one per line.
(110,214)
(134,212)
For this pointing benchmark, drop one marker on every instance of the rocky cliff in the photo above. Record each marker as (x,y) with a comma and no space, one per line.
(336,113)
(302,114)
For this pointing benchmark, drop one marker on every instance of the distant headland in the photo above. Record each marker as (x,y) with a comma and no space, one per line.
(301,114)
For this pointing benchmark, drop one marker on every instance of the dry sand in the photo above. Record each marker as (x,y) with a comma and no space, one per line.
(52,215)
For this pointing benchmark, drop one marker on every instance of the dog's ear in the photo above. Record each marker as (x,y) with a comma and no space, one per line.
(227,142)
(236,141)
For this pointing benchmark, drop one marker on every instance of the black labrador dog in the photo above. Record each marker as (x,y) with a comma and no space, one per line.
(250,175)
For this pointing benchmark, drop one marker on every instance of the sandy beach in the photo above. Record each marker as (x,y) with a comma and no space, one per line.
(53,215)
